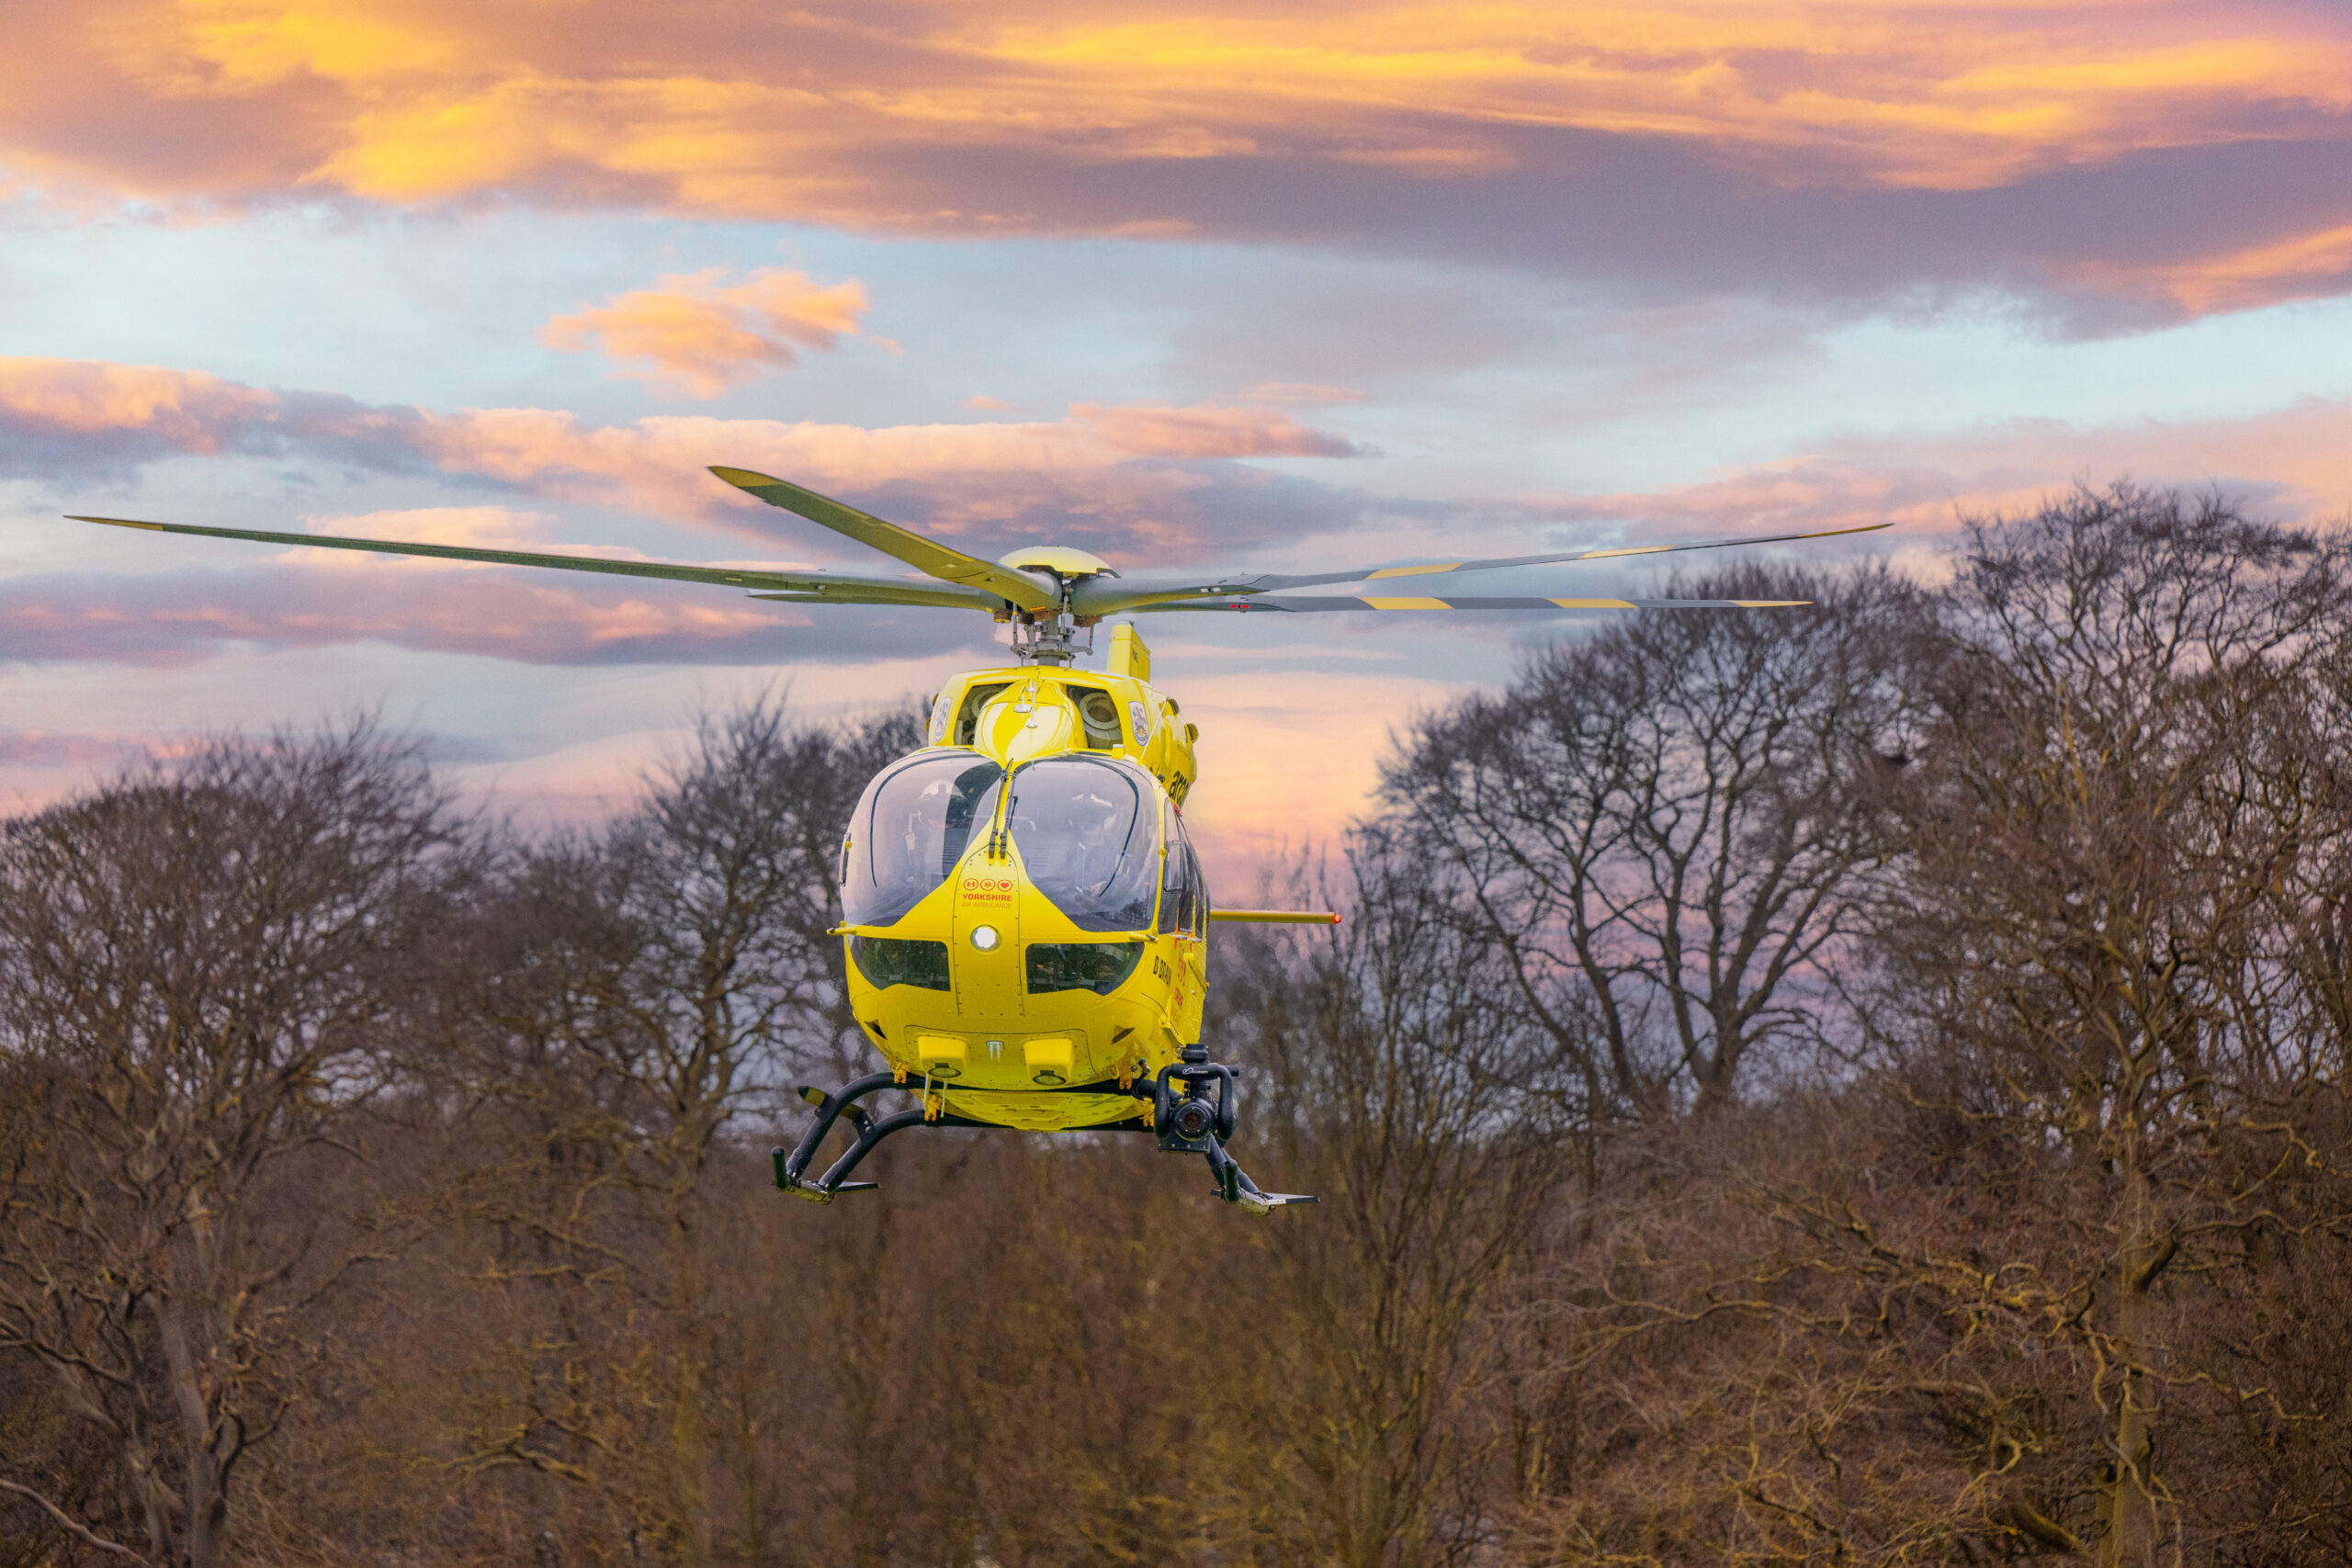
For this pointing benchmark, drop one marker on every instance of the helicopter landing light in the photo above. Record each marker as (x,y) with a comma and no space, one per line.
(985,938)
(940,1057)
(1048,1062)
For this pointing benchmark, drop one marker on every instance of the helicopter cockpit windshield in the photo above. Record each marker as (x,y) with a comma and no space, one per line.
(910,832)
(1088,839)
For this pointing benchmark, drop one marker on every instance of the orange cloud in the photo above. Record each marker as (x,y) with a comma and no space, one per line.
(2303,267)
(191,410)
(742,109)
(702,338)
(2176,157)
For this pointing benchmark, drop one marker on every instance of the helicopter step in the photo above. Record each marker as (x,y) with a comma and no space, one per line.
(1187,1117)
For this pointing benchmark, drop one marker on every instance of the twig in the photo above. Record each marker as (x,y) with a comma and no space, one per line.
(79,1530)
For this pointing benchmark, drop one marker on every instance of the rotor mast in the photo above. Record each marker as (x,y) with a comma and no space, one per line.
(1048,635)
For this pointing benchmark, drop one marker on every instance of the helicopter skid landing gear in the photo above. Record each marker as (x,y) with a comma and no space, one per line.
(790,1169)
(1191,1120)
(1188,1114)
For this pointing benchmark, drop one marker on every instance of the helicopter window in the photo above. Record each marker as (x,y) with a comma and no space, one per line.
(967,718)
(1099,714)
(1098,967)
(914,824)
(1183,901)
(1200,926)
(887,961)
(1084,828)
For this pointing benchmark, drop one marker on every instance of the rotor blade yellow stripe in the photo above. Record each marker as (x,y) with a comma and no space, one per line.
(1627,550)
(1408,603)
(1410,571)
(1278,916)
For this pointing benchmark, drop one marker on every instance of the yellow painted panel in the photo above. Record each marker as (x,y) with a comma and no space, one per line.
(1129,657)
(1035,1113)
(1409,605)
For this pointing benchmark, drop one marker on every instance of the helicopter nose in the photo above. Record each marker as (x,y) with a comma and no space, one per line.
(987,944)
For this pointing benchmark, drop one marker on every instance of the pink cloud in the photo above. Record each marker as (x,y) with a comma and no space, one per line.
(180,409)
(175,619)
(1144,472)
(50,748)
(1207,431)
(700,337)
(2293,463)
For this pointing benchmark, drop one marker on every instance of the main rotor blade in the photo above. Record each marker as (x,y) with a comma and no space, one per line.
(810,586)
(1099,597)
(924,555)
(1308,604)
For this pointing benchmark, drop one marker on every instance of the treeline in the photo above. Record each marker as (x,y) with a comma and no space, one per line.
(1861,1084)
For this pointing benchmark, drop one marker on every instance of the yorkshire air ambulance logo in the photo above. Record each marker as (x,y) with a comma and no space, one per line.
(987,890)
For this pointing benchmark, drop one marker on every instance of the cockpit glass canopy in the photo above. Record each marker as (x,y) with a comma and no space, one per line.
(1088,832)
(911,828)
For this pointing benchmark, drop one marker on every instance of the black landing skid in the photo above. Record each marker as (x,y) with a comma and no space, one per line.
(1194,1108)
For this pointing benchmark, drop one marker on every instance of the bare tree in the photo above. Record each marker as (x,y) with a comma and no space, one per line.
(1663,828)
(2126,840)
(1398,1075)
(203,963)
(642,988)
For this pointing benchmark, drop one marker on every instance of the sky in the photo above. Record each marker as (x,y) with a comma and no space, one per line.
(1294,285)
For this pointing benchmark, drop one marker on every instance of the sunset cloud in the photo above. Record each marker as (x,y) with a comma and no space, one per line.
(2292,464)
(178,619)
(1142,475)
(2301,266)
(61,412)
(698,336)
(1345,119)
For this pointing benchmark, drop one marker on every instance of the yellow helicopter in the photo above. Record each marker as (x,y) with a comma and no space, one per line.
(1024,920)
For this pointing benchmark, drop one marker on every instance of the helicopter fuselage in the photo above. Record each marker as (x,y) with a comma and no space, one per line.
(1026,918)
